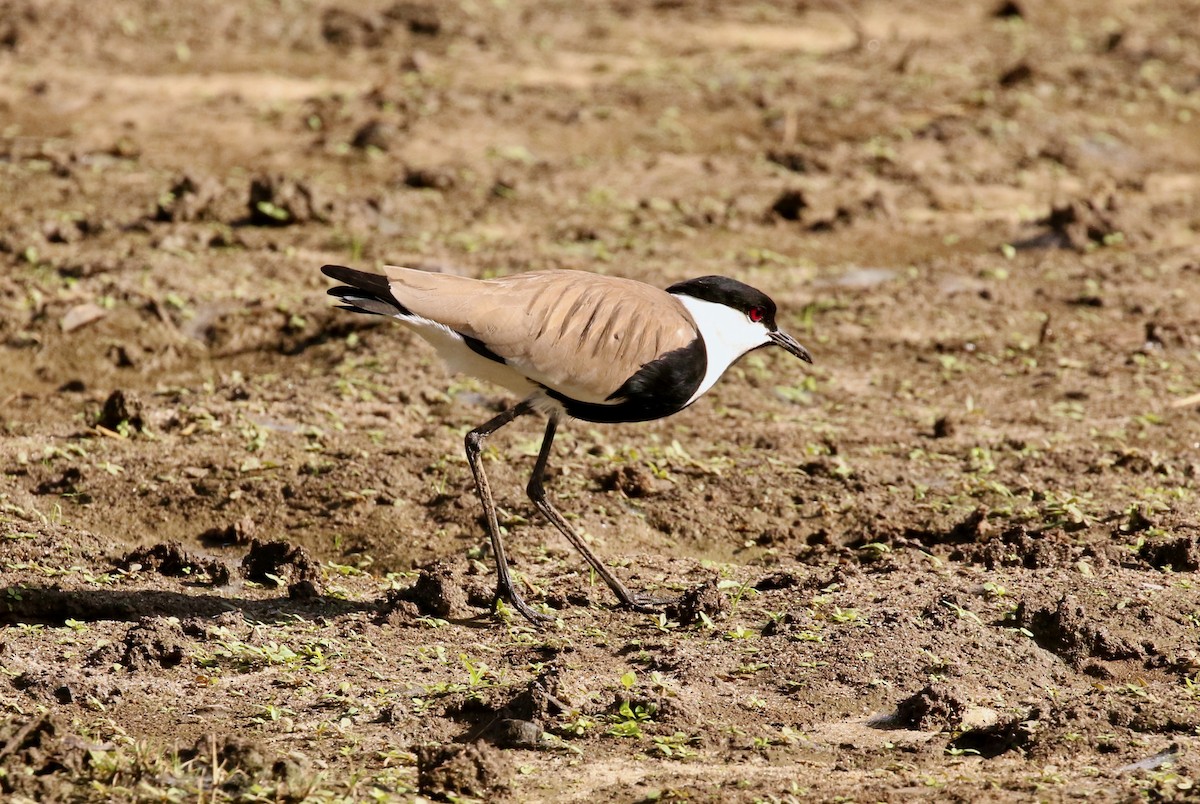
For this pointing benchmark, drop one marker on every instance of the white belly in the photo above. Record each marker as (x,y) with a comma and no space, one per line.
(460,358)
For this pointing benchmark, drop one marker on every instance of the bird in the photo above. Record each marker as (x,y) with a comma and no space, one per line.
(571,345)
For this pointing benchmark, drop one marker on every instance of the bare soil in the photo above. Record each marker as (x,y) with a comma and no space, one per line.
(240,555)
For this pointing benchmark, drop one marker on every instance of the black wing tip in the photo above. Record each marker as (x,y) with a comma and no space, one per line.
(350,275)
(361,286)
(339,272)
(375,284)
(352,298)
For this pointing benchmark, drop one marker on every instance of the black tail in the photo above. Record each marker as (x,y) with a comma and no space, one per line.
(367,293)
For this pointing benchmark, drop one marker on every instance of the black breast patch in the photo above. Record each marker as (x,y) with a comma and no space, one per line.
(659,388)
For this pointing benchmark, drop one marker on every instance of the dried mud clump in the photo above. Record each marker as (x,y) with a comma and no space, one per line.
(171,560)
(239,533)
(1021,548)
(519,722)
(189,199)
(280,201)
(1181,554)
(780,579)
(438,592)
(448,772)
(938,707)
(632,481)
(422,19)
(397,609)
(790,205)
(81,315)
(705,600)
(1068,630)
(121,409)
(243,763)
(1083,224)
(153,644)
(280,563)
(33,754)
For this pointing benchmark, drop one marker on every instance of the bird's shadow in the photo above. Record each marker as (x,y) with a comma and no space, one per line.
(34,605)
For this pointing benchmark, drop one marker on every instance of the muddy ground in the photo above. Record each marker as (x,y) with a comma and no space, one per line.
(955,559)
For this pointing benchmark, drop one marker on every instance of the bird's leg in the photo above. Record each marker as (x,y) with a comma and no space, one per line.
(504,585)
(537,493)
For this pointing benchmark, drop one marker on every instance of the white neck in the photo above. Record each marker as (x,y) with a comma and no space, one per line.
(728,334)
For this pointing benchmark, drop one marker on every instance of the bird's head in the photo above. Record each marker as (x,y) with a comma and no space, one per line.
(733,317)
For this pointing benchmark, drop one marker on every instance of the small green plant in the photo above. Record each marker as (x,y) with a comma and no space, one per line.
(962,613)
(662,623)
(840,615)
(478,673)
(577,727)
(1066,510)
(628,719)
(677,745)
(993,590)
(273,211)
(875,549)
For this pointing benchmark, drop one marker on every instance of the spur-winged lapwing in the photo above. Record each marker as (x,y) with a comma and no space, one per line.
(570,343)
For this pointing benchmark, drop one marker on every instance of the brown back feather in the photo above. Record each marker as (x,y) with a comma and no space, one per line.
(580,334)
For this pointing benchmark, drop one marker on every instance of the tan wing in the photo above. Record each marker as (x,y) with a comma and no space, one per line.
(580,334)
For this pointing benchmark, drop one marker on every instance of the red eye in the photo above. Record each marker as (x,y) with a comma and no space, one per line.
(756,314)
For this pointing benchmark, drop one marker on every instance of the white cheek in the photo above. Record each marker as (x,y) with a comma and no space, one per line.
(728,334)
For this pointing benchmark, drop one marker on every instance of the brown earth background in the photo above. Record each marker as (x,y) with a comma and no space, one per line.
(955,559)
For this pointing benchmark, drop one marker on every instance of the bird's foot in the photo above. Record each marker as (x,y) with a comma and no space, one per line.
(511,598)
(643,602)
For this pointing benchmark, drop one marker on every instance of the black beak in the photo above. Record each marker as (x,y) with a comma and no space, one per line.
(792,345)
